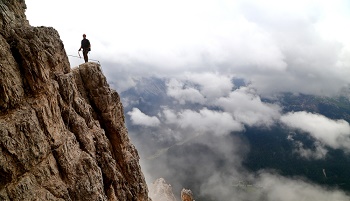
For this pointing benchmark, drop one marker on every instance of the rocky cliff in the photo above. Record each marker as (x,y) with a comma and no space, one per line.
(62,131)
(161,191)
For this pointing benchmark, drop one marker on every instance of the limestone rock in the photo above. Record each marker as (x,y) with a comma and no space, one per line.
(186,195)
(62,131)
(161,191)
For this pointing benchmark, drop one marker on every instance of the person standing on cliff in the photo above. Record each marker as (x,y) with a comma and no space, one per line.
(85,45)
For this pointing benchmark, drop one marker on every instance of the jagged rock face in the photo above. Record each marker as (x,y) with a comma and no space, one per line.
(186,195)
(62,131)
(161,191)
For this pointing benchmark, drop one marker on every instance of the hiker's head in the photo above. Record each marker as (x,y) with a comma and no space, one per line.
(84,36)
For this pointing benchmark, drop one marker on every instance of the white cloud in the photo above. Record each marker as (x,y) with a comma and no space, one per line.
(182,93)
(278,187)
(211,85)
(139,118)
(334,133)
(217,123)
(247,107)
(267,186)
(199,87)
(211,89)
(294,46)
(318,152)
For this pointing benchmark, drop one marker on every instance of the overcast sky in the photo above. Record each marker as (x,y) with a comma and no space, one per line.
(298,46)
(198,46)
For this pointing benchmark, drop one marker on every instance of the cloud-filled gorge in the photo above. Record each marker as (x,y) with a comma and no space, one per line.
(202,118)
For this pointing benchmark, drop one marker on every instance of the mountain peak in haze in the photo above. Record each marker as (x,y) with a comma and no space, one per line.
(161,191)
(62,131)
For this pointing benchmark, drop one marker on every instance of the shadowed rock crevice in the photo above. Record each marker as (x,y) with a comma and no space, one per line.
(18,58)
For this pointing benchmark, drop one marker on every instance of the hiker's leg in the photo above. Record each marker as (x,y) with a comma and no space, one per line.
(85,53)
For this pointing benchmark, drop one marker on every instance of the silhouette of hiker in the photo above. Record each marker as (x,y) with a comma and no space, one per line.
(85,44)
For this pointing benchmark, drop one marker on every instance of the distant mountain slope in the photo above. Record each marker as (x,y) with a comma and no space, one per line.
(331,107)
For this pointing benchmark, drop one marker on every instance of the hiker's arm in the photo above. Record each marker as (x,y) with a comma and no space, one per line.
(81,45)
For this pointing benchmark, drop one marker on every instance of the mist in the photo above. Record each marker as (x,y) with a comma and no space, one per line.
(203,139)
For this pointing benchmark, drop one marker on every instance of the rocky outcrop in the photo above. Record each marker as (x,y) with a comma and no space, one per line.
(161,191)
(62,131)
(186,195)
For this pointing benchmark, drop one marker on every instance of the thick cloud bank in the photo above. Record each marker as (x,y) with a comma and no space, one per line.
(333,133)
(270,186)
(279,46)
(204,132)
(290,189)
(139,118)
